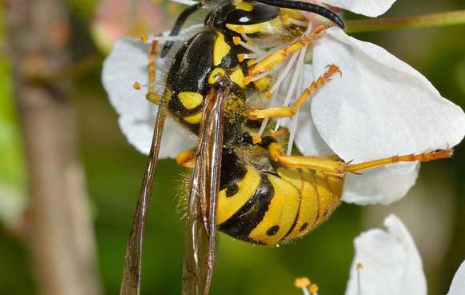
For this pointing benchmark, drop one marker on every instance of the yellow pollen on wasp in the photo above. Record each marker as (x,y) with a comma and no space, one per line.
(313,288)
(269,94)
(137,86)
(302,283)
(144,38)
(236,40)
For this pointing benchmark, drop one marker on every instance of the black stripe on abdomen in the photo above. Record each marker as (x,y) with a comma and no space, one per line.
(241,224)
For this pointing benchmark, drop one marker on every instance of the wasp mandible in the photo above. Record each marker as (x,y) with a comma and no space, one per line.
(243,183)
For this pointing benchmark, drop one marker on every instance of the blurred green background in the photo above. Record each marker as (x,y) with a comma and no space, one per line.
(433,210)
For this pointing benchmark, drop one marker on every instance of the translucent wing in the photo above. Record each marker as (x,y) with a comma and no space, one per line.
(130,284)
(201,217)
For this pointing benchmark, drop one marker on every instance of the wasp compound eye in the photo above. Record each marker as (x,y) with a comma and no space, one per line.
(305,6)
(258,14)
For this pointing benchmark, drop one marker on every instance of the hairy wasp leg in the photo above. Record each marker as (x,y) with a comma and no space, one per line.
(151,95)
(186,158)
(425,157)
(280,112)
(278,57)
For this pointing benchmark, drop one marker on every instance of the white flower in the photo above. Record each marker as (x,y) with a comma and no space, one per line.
(370,8)
(380,107)
(388,263)
(127,64)
(458,283)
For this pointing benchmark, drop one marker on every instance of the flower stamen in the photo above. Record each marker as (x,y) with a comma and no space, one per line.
(137,86)
(359,268)
(314,289)
(303,283)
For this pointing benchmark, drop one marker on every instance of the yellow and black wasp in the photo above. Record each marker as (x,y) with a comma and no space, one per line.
(243,183)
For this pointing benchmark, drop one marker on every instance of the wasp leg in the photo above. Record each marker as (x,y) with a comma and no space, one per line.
(281,112)
(425,157)
(322,164)
(186,158)
(276,58)
(339,168)
(151,95)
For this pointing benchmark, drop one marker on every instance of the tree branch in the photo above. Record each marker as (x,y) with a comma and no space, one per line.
(61,234)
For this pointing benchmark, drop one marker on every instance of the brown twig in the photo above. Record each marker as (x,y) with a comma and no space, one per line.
(60,233)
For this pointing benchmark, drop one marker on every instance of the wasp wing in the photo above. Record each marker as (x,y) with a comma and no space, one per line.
(201,216)
(130,284)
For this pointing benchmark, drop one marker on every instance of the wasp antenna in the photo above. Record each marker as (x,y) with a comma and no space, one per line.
(305,6)
(178,25)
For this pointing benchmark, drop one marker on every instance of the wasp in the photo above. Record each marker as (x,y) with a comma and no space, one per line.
(243,183)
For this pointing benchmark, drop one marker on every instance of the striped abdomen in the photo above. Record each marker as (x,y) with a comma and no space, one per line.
(264,208)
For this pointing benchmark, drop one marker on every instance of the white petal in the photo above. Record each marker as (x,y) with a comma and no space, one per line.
(139,133)
(186,2)
(307,138)
(371,8)
(127,64)
(380,107)
(379,186)
(458,283)
(391,262)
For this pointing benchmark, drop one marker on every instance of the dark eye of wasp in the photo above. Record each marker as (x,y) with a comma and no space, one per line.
(261,13)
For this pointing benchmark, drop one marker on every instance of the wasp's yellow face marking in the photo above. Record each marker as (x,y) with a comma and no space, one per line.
(194,119)
(281,213)
(269,27)
(216,74)
(232,199)
(220,49)
(237,76)
(190,100)
(246,6)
